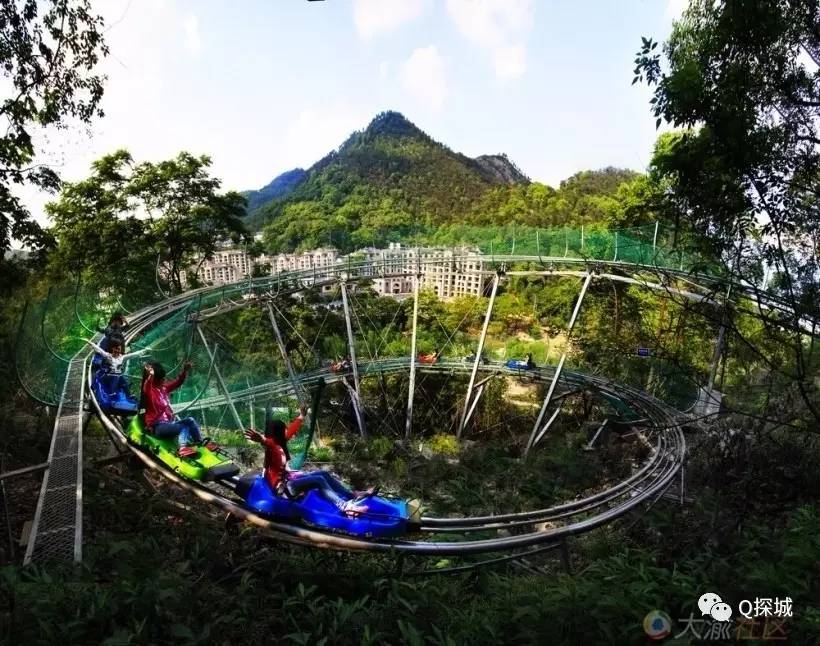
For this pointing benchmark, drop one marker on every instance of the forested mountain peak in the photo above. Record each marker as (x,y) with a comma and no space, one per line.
(390,165)
(392,180)
(393,124)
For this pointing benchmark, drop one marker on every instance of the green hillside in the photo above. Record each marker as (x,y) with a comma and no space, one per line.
(392,181)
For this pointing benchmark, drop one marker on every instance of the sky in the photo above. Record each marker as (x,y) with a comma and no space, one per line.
(265,86)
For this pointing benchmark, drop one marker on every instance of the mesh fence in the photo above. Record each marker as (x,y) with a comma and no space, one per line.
(54,330)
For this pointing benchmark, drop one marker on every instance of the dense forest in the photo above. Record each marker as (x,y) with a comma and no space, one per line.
(392,182)
(736,182)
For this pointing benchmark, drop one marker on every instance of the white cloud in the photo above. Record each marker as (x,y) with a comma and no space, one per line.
(424,77)
(510,62)
(498,26)
(318,130)
(384,69)
(190,27)
(375,17)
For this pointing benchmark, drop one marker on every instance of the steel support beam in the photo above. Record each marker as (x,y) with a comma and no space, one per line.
(537,432)
(479,392)
(718,351)
(280,341)
(591,443)
(357,405)
(37,468)
(353,364)
(219,379)
(479,351)
(546,427)
(411,389)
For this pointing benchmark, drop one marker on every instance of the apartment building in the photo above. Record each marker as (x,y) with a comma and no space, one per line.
(226,266)
(449,272)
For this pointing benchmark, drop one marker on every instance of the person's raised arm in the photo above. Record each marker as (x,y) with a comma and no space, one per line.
(136,353)
(254,436)
(176,383)
(148,380)
(99,350)
(296,424)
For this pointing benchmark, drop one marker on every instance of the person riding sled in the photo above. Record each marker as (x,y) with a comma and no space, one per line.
(292,483)
(429,357)
(112,363)
(114,331)
(159,416)
(340,364)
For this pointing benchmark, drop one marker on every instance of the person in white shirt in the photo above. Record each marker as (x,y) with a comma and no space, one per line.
(113,360)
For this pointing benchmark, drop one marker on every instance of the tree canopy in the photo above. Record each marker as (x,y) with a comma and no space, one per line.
(741,80)
(48,53)
(168,213)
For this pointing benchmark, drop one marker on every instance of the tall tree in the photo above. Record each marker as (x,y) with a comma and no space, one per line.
(193,216)
(48,52)
(115,224)
(741,78)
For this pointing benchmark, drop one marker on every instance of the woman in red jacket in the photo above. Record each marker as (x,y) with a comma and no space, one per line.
(283,481)
(159,416)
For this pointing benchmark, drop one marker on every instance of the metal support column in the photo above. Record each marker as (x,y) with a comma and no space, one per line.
(719,343)
(411,389)
(479,351)
(357,404)
(535,436)
(219,379)
(353,364)
(280,341)
(591,443)
(716,357)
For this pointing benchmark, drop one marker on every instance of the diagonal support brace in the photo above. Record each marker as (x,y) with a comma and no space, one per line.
(353,363)
(478,354)
(411,388)
(537,430)
(280,341)
(219,379)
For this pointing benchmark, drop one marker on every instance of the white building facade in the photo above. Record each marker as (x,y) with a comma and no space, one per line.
(449,272)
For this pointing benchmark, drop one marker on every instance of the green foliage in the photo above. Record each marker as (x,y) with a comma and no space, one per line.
(392,182)
(320,454)
(744,167)
(441,444)
(379,447)
(99,222)
(48,51)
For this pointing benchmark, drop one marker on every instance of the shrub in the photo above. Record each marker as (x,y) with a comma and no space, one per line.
(442,444)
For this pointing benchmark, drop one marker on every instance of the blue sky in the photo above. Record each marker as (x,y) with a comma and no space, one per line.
(264,86)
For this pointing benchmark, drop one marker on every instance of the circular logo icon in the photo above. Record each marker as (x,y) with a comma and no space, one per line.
(657,625)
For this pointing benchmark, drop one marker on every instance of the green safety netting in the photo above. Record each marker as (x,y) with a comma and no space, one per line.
(54,330)
(656,245)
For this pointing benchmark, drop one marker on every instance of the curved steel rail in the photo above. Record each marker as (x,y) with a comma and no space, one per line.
(579,516)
